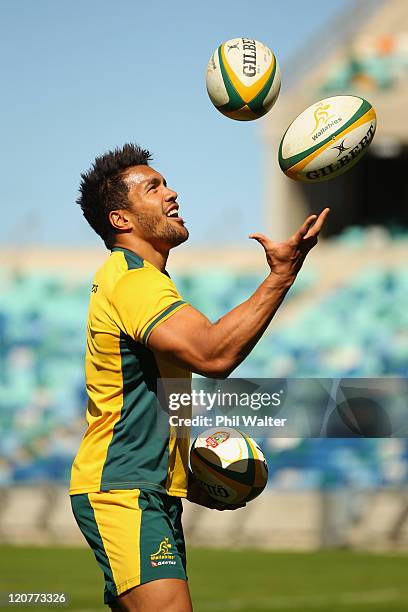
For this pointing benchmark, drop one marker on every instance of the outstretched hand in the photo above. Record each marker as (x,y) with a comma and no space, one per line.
(286,258)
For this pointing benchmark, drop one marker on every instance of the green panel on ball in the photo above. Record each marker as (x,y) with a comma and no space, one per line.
(256,104)
(251,460)
(255,492)
(235,100)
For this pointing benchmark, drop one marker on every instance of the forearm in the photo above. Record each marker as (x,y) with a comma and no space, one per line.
(191,341)
(232,337)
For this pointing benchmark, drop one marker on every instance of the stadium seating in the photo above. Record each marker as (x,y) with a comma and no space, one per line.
(360,329)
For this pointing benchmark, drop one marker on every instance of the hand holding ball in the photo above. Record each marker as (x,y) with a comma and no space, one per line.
(229,465)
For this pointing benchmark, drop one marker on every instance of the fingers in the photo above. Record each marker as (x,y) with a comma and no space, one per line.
(310,229)
(301,233)
(221,507)
(315,230)
(312,226)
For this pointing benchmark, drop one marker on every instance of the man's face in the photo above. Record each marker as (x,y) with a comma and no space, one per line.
(153,208)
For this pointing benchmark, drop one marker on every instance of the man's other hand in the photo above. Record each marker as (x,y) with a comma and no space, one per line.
(198,495)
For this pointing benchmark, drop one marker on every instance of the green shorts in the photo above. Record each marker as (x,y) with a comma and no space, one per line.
(136,536)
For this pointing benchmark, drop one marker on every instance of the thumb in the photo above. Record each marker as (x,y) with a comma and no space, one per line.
(261,238)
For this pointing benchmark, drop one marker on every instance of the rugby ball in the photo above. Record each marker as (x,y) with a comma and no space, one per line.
(229,465)
(243,79)
(327,139)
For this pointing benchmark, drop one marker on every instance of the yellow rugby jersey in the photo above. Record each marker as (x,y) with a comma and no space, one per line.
(122,448)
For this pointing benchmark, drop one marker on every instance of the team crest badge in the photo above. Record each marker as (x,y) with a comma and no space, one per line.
(163,556)
(216,439)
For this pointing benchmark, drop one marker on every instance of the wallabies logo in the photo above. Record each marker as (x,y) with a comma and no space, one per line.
(321,116)
(163,556)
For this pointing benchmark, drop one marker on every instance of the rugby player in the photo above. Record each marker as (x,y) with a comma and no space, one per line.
(127,481)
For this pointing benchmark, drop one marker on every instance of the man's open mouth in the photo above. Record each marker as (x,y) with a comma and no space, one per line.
(172,213)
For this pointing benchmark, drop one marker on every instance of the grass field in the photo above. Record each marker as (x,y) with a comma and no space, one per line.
(220,581)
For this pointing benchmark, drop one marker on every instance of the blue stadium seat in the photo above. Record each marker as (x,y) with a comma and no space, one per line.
(42,396)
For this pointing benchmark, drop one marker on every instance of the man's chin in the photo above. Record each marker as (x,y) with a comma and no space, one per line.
(179,237)
(176,235)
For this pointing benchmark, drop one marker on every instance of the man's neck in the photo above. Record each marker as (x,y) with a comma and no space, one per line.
(147,251)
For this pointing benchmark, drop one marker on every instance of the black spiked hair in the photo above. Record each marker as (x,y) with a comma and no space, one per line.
(102,188)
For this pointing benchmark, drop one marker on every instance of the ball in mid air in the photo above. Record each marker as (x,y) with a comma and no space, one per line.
(327,139)
(243,79)
(229,465)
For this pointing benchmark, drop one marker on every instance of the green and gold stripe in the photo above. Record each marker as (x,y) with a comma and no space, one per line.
(159,318)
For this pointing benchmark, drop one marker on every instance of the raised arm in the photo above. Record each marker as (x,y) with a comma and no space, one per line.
(216,349)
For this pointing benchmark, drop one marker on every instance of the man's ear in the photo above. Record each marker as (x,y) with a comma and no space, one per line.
(120,219)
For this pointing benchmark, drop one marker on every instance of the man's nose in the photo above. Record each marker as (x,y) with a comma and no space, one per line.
(171,195)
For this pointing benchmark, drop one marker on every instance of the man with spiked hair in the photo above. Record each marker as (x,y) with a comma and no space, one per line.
(127,481)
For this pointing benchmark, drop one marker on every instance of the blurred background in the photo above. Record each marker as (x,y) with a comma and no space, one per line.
(82,78)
